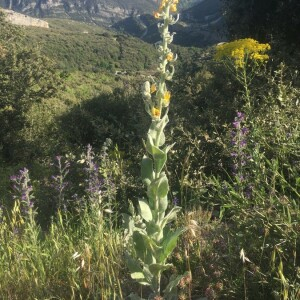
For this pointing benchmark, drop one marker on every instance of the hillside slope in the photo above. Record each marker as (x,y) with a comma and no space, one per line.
(84,46)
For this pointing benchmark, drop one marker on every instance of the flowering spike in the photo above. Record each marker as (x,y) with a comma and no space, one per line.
(152,250)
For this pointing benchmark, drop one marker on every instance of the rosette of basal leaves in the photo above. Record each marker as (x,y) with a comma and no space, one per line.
(150,235)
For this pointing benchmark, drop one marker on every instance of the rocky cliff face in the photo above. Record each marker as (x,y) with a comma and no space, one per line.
(20,19)
(104,12)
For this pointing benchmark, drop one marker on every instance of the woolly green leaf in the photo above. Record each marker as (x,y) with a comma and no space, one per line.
(145,210)
(163,204)
(159,156)
(144,246)
(168,148)
(139,245)
(170,291)
(137,275)
(136,272)
(163,187)
(147,170)
(169,243)
(156,130)
(159,161)
(152,190)
(156,268)
(171,216)
(152,228)
(149,144)
(147,273)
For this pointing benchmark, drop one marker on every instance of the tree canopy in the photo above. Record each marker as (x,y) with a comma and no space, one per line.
(26,76)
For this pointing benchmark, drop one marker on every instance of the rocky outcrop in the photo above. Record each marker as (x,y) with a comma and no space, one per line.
(20,19)
(102,12)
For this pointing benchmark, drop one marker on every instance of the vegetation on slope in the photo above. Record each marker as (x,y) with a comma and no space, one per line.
(86,47)
(234,169)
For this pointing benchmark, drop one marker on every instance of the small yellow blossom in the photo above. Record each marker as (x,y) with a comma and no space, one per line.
(243,49)
(170,56)
(164,3)
(173,8)
(167,97)
(153,88)
(155,112)
(156,15)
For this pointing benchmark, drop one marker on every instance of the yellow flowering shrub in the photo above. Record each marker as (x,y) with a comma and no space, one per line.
(241,50)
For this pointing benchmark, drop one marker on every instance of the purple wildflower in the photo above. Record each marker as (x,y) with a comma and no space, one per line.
(240,115)
(238,152)
(23,190)
(175,201)
(236,124)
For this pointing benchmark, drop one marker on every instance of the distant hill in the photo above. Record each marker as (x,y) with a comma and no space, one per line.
(103,12)
(200,25)
(201,22)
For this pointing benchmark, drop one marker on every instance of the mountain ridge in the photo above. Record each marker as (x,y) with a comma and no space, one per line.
(104,12)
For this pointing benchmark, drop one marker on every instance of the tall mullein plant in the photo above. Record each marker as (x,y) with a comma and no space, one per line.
(150,234)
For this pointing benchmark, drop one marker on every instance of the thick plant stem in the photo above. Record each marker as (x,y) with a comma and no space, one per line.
(247,90)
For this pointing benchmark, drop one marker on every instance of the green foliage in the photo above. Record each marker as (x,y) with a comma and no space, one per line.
(69,261)
(9,33)
(263,19)
(25,77)
(81,46)
(241,163)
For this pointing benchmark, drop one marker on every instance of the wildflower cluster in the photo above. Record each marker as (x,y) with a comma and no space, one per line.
(240,51)
(23,190)
(59,181)
(239,154)
(99,189)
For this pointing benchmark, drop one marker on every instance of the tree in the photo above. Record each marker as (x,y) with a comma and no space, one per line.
(26,76)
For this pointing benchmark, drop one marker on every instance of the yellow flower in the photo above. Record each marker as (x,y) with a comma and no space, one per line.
(243,49)
(173,8)
(153,88)
(156,15)
(165,3)
(170,56)
(167,97)
(162,5)
(155,112)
